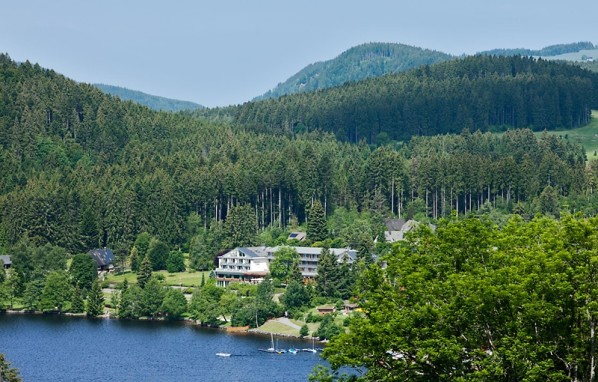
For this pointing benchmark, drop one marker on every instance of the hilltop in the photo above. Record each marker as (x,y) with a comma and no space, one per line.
(355,64)
(153,102)
(474,92)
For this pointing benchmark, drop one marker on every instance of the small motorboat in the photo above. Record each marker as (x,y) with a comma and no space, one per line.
(223,354)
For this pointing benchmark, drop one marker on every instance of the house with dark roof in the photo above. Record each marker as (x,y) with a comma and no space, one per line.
(5,259)
(104,257)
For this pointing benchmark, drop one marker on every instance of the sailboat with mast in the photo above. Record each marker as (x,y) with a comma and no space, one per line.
(271,349)
(313,347)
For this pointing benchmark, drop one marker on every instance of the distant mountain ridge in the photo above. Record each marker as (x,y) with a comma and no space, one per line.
(356,64)
(153,102)
(549,51)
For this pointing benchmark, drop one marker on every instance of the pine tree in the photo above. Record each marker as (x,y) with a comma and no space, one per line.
(316,223)
(145,272)
(77,303)
(95,300)
(134,259)
(326,278)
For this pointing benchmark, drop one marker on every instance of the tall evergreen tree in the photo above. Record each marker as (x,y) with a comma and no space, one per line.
(145,272)
(95,300)
(134,259)
(158,254)
(77,302)
(328,274)
(83,271)
(316,223)
(241,226)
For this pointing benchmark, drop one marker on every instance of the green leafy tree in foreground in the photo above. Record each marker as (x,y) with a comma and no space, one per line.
(473,302)
(8,373)
(95,300)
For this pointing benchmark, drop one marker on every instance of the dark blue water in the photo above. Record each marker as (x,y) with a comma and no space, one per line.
(52,348)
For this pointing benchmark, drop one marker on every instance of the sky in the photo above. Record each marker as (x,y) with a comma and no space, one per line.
(218,53)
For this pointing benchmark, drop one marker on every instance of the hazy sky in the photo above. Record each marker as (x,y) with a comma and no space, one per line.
(228,51)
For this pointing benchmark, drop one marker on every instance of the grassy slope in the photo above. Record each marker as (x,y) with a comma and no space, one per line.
(587,136)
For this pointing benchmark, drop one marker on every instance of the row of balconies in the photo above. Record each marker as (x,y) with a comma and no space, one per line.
(235,267)
(234,261)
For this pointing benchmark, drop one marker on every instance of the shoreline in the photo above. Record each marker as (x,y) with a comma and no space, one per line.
(188,321)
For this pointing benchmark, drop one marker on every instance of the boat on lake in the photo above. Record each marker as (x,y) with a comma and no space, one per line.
(271,349)
(223,354)
(313,347)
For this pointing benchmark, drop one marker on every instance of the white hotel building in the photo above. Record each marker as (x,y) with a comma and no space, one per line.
(252,264)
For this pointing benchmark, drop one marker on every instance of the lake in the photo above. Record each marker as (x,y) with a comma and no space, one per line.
(54,348)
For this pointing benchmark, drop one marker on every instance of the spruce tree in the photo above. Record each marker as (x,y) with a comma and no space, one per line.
(77,303)
(316,223)
(326,278)
(134,259)
(145,272)
(95,300)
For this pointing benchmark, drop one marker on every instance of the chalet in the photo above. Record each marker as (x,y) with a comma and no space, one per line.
(103,258)
(325,309)
(252,264)
(397,228)
(349,307)
(5,259)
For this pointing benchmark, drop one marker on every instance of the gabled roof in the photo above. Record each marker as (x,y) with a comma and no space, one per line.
(102,257)
(253,251)
(6,259)
(394,224)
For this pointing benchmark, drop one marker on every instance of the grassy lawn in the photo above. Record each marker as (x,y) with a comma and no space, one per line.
(186,279)
(278,328)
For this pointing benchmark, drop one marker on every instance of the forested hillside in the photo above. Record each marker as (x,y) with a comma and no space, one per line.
(151,101)
(480,92)
(82,169)
(358,63)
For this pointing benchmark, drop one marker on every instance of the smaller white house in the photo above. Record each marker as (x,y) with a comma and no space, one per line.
(242,264)
(251,264)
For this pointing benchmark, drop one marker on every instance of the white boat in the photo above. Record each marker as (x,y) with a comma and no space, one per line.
(313,347)
(223,354)
(271,349)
